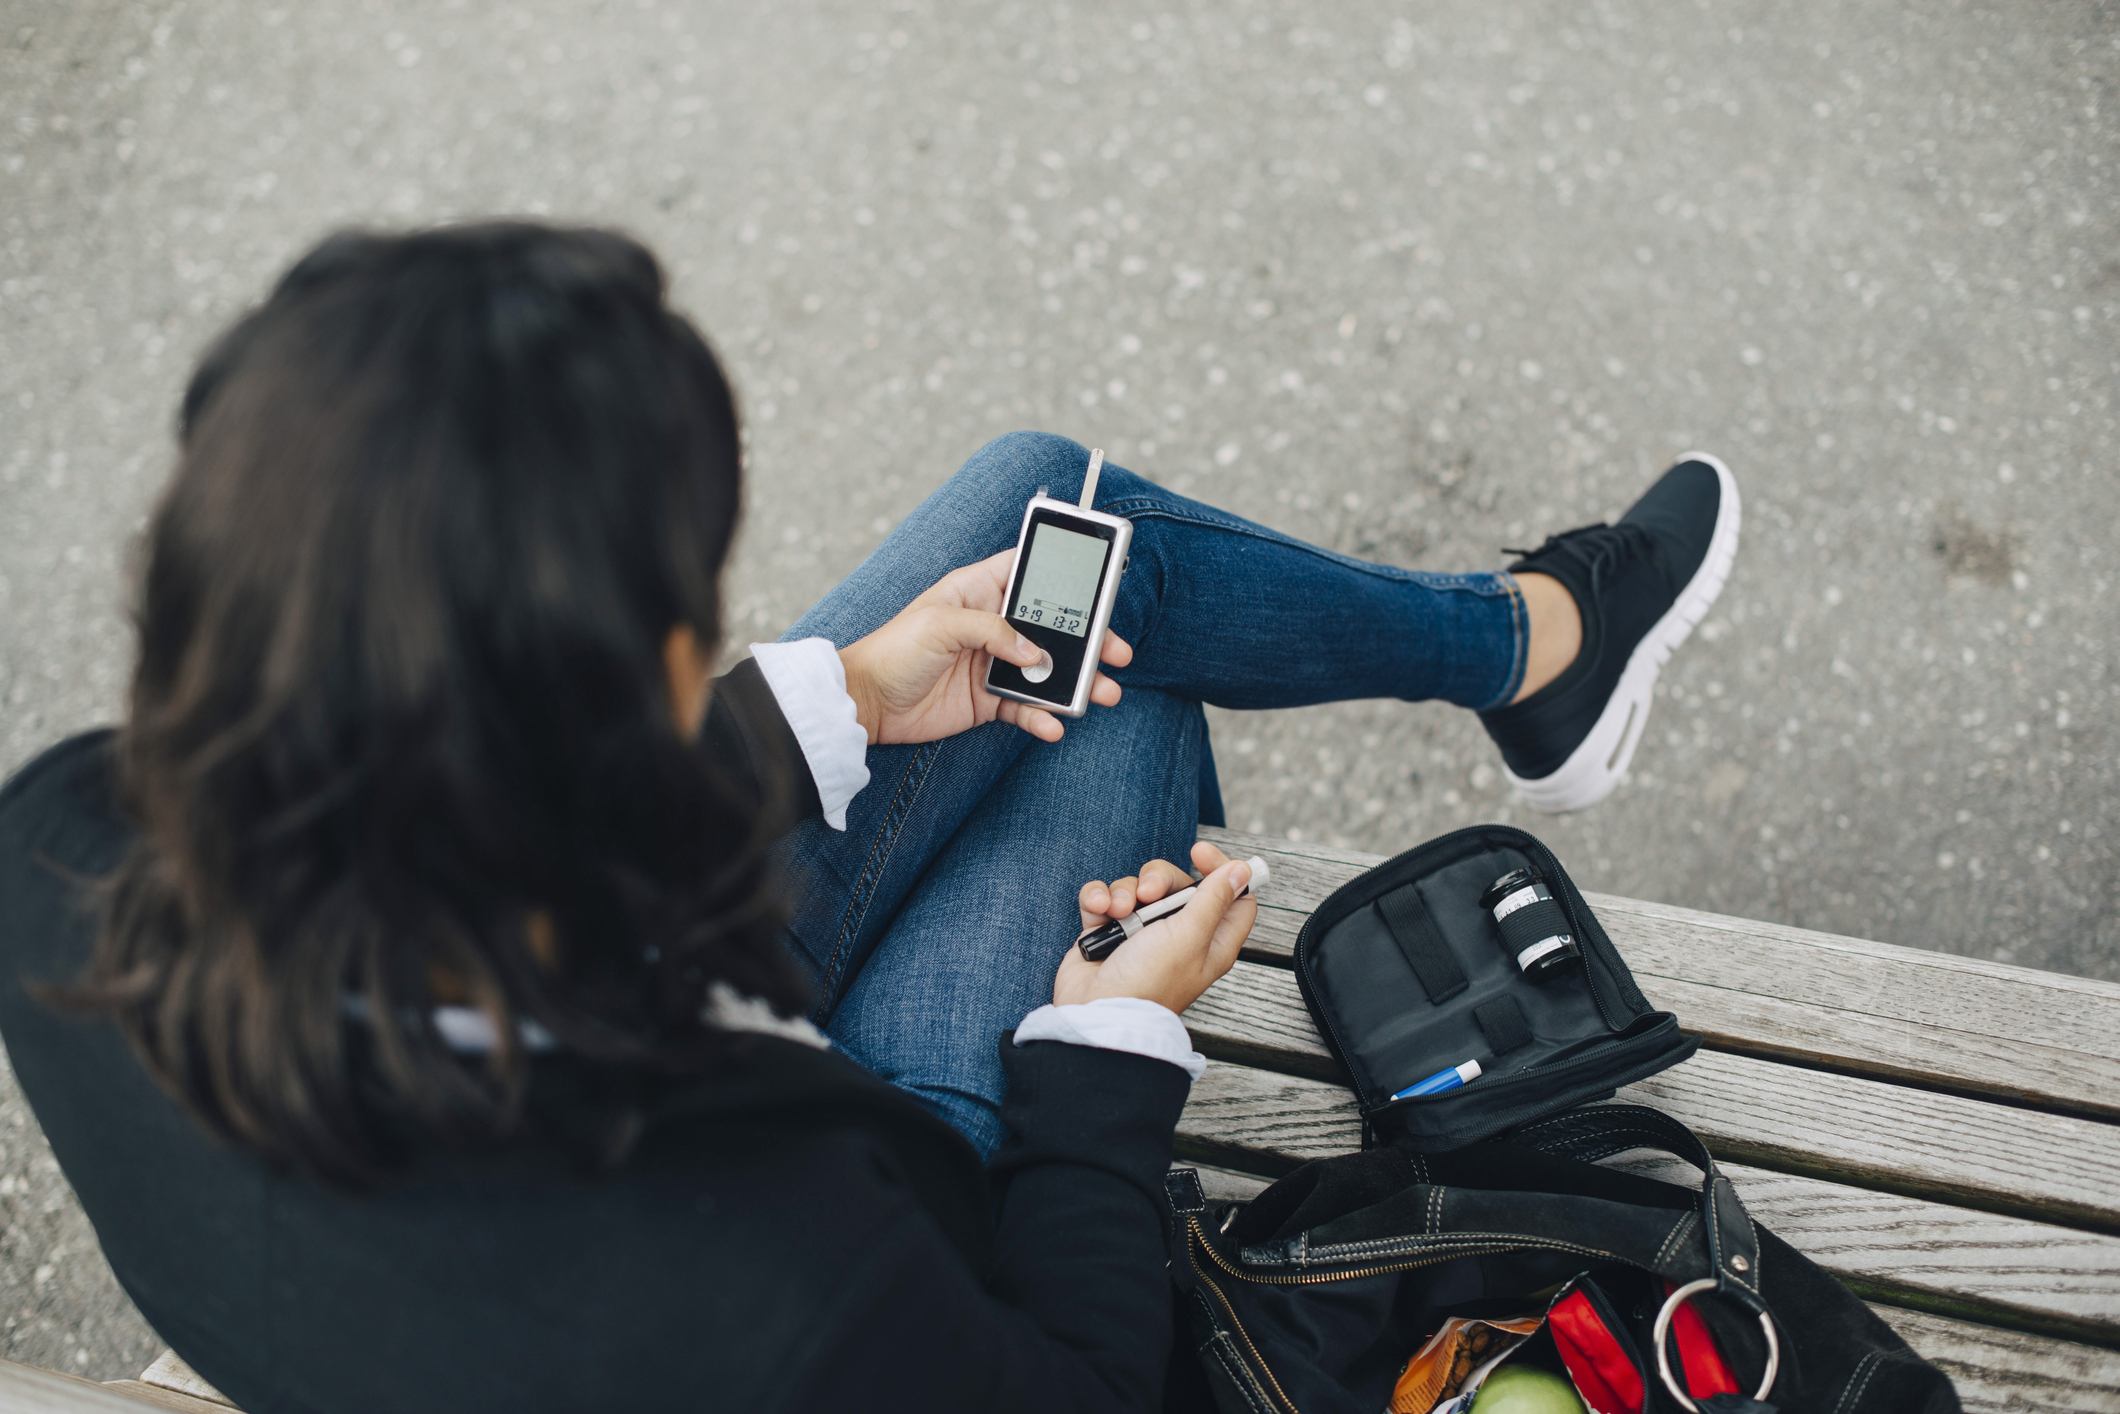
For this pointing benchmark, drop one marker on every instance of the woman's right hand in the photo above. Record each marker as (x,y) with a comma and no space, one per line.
(1176,958)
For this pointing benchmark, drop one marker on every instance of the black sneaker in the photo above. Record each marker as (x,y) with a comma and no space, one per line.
(1641,586)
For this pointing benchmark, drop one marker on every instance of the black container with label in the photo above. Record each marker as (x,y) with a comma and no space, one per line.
(1534,929)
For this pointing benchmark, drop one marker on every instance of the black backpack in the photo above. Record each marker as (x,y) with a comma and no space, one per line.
(1307,1299)
(1486,1198)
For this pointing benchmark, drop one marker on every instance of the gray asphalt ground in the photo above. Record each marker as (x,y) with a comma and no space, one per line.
(1412,282)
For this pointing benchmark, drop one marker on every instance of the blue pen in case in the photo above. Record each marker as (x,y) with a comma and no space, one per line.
(1442,1080)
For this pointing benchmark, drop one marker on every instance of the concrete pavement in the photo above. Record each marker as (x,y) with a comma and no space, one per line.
(1412,282)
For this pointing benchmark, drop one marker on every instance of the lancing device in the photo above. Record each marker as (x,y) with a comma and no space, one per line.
(1442,1080)
(1099,942)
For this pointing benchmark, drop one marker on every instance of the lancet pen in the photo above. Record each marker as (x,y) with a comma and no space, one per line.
(1097,943)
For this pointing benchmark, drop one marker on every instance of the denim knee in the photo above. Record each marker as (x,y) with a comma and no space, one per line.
(1012,467)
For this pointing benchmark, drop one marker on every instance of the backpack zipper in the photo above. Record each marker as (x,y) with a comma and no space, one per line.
(1229,1309)
(1487,1249)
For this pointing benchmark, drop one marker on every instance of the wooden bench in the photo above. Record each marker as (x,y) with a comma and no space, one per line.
(167,1384)
(1942,1134)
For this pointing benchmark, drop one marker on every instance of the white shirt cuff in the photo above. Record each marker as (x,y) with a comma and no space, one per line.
(1133,1024)
(810,684)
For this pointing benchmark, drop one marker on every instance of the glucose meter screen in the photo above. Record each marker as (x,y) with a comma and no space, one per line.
(1060,581)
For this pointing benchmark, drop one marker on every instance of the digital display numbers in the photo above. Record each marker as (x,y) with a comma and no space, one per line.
(1059,587)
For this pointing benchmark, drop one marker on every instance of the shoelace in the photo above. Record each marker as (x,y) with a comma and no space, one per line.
(1595,547)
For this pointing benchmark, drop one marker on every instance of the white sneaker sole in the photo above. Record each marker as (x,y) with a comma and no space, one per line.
(1594,769)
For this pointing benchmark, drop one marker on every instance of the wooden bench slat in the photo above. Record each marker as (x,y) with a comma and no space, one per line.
(24,1389)
(2037,1275)
(171,1373)
(1262,1122)
(2048,1167)
(1273,936)
(1899,1014)
(1948,1261)
(167,1398)
(1896,1013)
(1303,857)
(2002,1372)
(1746,1023)
(1255,1016)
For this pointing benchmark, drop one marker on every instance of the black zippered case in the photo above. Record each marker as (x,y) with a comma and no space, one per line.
(1406,976)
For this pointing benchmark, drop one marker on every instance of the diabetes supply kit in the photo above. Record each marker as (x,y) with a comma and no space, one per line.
(1475,1255)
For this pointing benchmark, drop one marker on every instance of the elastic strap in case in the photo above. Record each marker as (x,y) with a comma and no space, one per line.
(1502,1021)
(1406,915)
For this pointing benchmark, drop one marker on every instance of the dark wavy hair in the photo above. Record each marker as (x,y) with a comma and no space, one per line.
(401,703)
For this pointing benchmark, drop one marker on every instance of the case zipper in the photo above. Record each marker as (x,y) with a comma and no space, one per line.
(1556,1068)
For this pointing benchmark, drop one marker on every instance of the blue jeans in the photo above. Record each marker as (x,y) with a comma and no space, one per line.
(935,921)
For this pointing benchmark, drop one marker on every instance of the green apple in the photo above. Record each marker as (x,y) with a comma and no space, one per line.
(1526,1389)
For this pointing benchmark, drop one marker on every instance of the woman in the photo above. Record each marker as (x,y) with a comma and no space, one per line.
(413,988)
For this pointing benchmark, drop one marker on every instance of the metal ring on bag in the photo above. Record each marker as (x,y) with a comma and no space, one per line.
(1663,1353)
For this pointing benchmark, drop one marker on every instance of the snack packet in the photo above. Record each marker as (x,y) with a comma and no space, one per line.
(1453,1361)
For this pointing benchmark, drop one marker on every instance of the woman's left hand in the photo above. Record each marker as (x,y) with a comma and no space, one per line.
(922,676)
(1180,955)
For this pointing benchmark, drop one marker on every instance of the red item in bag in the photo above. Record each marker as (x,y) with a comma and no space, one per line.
(1706,1373)
(1601,1367)
(1602,1363)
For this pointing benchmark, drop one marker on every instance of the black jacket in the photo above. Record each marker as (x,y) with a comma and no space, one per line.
(798,1235)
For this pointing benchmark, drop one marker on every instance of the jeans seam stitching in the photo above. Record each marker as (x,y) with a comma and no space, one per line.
(1520,644)
(872,867)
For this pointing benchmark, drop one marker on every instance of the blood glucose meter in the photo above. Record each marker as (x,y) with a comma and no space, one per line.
(1060,594)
